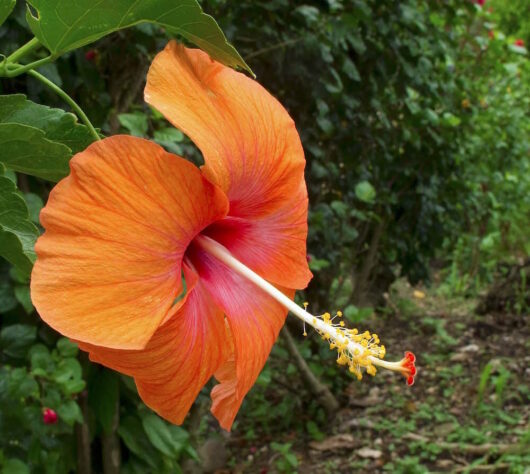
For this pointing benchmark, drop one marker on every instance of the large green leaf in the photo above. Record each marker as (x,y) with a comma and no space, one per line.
(161,436)
(26,149)
(58,125)
(6,7)
(63,25)
(17,233)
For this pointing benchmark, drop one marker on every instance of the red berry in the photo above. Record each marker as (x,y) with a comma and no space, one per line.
(90,55)
(49,417)
(519,42)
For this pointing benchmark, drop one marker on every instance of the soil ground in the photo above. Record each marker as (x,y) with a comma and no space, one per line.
(467,412)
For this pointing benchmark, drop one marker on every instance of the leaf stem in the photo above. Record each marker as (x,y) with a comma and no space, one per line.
(13,70)
(23,50)
(78,110)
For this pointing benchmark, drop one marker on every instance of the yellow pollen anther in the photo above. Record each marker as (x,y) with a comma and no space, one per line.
(358,351)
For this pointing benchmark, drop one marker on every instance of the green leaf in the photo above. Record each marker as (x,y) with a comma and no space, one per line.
(70,412)
(130,431)
(103,396)
(7,297)
(11,175)
(161,436)
(67,370)
(136,123)
(451,120)
(57,125)
(24,298)
(15,466)
(17,233)
(64,26)
(6,7)
(40,359)
(365,191)
(25,149)
(351,70)
(35,204)
(16,339)
(67,348)
(168,134)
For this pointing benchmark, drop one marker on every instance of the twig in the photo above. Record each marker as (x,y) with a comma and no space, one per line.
(82,433)
(317,388)
(268,49)
(483,468)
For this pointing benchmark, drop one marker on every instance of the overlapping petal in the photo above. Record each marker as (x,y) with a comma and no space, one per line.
(179,359)
(255,320)
(109,264)
(251,150)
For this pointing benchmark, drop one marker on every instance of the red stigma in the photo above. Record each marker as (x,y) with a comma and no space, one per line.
(409,368)
(49,417)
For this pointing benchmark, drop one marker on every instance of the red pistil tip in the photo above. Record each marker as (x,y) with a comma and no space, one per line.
(49,417)
(409,368)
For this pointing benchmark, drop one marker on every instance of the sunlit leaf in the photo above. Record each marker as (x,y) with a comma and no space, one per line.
(6,7)
(62,25)
(57,125)
(365,191)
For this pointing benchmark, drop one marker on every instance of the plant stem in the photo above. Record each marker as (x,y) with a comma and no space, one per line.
(23,50)
(68,100)
(13,70)
(317,388)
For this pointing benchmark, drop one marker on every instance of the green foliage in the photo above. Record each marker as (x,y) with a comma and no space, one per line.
(26,149)
(156,445)
(287,462)
(56,124)
(32,377)
(63,29)
(17,233)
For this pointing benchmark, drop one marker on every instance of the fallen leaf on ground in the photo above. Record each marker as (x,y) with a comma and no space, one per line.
(369,453)
(336,442)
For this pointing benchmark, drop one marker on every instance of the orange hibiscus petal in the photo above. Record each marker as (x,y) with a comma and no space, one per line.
(179,359)
(255,320)
(109,264)
(251,150)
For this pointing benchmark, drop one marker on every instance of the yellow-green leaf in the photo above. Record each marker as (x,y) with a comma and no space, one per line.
(63,25)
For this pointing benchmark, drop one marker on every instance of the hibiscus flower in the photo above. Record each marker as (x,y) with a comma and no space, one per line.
(173,274)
